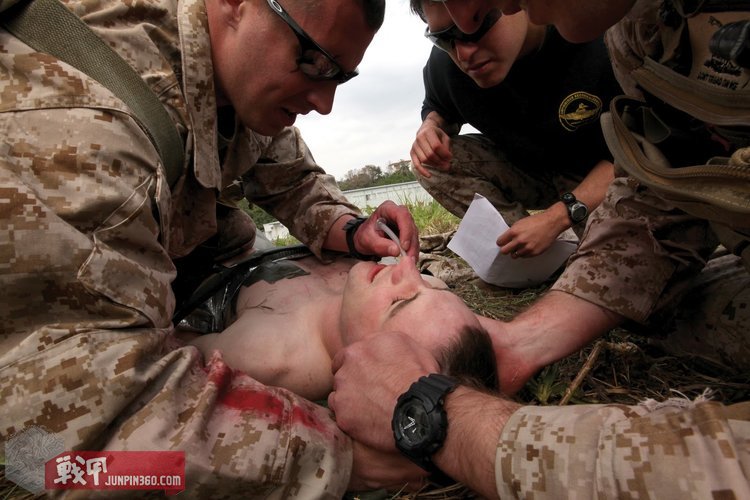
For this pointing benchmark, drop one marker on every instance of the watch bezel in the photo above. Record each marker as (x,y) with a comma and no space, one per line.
(430,441)
(578,211)
(574,207)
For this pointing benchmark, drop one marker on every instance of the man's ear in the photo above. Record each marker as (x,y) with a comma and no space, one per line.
(229,12)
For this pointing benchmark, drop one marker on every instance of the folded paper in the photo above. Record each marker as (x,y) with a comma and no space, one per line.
(476,242)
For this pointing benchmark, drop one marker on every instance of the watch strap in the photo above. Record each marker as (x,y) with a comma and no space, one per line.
(431,391)
(432,388)
(350,228)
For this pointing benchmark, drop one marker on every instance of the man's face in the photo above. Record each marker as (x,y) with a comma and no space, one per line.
(488,60)
(255,57)
(576,20)
(398,298)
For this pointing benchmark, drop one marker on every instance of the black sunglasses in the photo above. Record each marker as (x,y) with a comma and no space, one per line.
(315,62)
(447,38)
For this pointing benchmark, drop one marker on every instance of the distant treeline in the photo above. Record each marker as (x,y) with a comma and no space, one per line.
(367,176)
(371,176)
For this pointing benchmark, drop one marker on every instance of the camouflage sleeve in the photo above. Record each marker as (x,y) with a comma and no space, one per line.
(288,183)
(674,449)
(85,331)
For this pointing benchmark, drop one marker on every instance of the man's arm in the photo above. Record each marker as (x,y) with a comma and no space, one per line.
(532,235)
(555,326)
(475,420)
(504,450)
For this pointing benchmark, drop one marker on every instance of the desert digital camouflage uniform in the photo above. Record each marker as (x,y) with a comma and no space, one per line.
(675,449)
(88,231)
(479,166)
(641,254)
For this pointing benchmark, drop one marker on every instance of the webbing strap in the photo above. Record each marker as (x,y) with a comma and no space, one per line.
(48,26)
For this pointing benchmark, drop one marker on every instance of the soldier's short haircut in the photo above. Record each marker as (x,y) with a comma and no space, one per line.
(374,10)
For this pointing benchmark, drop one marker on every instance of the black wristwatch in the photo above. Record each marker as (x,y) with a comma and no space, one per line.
(351,227)
(419,421)
(577,210)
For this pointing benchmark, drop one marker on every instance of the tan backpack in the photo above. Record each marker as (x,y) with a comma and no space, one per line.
(684,113)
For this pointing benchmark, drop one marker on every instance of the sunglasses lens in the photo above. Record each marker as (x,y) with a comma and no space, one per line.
(317,66)
(441,40)
(446,38)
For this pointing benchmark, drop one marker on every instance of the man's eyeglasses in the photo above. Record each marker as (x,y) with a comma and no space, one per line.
(446,39)
(314,61)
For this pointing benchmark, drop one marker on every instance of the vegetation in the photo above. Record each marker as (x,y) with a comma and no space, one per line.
(371,176)
(367,176)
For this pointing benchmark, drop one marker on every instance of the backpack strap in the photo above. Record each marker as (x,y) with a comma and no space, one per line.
(48,26)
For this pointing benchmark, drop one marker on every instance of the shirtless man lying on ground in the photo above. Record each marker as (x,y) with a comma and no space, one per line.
(286,322)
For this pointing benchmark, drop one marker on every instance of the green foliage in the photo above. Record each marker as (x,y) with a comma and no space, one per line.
(285,242)
(547,385)
(371,176)
(258,215)
(431,217)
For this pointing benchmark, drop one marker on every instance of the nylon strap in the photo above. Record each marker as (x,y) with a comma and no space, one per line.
(48,26)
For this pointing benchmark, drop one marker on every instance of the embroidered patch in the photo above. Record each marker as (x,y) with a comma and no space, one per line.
(578,109)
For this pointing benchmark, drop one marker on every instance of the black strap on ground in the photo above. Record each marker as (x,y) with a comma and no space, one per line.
(222,275)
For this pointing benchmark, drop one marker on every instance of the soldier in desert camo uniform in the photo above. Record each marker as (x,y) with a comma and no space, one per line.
(90,232)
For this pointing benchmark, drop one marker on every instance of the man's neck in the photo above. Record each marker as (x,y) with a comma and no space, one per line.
(534,40)
(330,326)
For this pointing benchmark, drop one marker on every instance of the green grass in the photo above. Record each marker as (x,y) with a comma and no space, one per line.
(430,218)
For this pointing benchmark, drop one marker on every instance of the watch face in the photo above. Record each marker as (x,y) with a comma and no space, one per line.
(578,212)
(414,423)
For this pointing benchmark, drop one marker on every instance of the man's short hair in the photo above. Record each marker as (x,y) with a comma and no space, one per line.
(374,13)
(471,359)
(416,8)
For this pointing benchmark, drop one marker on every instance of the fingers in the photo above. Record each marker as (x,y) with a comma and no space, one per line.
(401,221)
(369,375)
(374,469)
(431,149)
(417,164)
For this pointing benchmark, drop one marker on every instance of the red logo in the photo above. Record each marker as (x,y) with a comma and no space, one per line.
(116,470)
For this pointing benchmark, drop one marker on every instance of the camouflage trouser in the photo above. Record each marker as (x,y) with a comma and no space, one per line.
(643,259)
(478,166)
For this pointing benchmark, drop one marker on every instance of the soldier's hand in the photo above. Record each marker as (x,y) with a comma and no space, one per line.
(530,236)
(369,376)
(370,240)
(431,148)
(374,469)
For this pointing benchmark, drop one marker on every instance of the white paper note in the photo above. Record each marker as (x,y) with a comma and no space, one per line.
(475,241)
